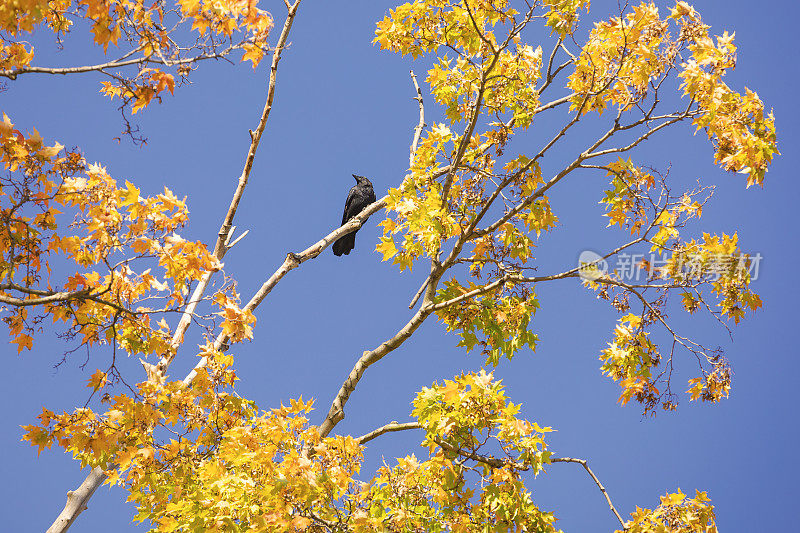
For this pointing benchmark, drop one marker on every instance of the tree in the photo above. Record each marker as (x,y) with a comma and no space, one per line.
(108,263)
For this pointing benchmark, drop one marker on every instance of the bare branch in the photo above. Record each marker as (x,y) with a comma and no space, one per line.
(388,428)
(76,501)
(555,103)
(574,272)
(120,62)
(641,138)
(239,238)
(221,246)
(336,411)
(585,465)
(551,75)
(292,261)
(415,299)
(420,125)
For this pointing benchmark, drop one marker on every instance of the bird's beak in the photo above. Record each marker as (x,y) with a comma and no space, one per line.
(354,177)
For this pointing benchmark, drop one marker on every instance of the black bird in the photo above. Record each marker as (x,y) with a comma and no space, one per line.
(360,196)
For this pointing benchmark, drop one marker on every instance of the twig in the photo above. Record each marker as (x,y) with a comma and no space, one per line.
(388,428)
(415,299)
(585,465)
(467,295)
(420,125)
(494,462)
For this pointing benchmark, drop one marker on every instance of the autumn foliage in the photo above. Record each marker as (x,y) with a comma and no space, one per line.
(108,266)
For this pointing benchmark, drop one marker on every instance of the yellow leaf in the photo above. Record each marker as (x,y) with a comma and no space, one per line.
(253,53)
(97,380)
(128,196)
(37,436)
(50,151)
(387,248)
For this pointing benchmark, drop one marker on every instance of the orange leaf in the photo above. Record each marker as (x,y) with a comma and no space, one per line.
(98,380)
(23,341)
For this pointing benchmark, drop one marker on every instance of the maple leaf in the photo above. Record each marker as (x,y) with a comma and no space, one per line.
(6,126)
(23,341)
(386,247)
(49,152)
(128,196)
(253,53)
(37,436)
(98,380)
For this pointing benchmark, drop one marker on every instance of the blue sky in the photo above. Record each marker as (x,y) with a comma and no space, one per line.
(343,106)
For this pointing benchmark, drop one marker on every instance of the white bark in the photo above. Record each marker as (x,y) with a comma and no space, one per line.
(76,501)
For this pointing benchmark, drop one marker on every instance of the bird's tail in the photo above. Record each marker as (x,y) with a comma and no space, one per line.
(344,244)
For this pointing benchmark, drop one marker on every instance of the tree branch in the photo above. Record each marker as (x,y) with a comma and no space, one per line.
(640,139)
(76,501)
(222,245)
(48,297)
(336,411)
(420,125)
(585,465)
(422,288)
(388,428)
(292,261)
(577,163)
(97,476)
(467,295)
(494,462)
(471,124)
(572,273)
(120,62)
